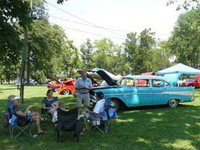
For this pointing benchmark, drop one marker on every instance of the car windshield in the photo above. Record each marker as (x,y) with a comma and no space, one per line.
(127,82)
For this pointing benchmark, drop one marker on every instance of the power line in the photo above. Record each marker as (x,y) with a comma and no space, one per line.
(92,33)
(80,23)
(87,23)
(82,19)
(77,22)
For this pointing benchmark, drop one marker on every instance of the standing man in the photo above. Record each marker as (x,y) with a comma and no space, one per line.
(82,86)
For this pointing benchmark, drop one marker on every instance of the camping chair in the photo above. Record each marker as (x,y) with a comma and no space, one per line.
(67,121)
(101,122)
(22,124)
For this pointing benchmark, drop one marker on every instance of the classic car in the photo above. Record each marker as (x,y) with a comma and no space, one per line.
(194,82)
(54,85)
(99,74)
(67,87)
(156,91)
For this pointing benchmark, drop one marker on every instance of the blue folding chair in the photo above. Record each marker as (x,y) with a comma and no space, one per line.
(22,124)
(103,124)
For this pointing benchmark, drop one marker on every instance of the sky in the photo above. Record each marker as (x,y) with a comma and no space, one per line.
(113,19)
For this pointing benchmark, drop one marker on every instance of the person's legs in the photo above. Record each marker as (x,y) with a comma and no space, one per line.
(79,103)
(36,118)
(86,101)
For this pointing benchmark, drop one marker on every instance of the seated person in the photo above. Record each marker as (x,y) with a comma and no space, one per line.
(50,103)
(25,115)
(96,114)
(61,105)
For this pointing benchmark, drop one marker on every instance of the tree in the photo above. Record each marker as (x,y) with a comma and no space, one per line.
(71,59)
(86,54)
(160,57)
(184,4)
(138,51)
(13,16)
(130,47)
(48,46)
(61,1)
(184,42)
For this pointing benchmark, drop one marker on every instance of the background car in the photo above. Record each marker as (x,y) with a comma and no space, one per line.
(195,82)
(67,87)
(54,85)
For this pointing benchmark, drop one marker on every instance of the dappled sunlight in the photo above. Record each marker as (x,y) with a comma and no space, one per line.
(183,144)
(125,120)
(154,120)
(149,113)
(143,140)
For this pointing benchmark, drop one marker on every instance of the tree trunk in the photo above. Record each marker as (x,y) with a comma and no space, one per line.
(28,66)
(23,64)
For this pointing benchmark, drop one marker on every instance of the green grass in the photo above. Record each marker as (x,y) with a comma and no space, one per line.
(143,128)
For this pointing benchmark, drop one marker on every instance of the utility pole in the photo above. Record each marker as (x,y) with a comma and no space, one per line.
(24,57)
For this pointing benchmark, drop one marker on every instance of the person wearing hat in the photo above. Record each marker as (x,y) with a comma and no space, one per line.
(23,114)
(82,87)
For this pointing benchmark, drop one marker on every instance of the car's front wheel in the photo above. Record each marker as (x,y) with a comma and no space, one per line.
(173,103)
(66,92)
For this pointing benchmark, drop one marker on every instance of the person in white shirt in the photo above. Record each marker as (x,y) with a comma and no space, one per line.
(95,115)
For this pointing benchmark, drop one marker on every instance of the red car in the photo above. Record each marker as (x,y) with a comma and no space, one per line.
(194,82)
(67,87)
(54,85)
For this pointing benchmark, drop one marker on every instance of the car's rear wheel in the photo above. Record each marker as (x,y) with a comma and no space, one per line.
(115,104)
(173,103)
(66,92)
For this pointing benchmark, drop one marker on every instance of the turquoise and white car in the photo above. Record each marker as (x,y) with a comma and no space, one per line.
(143,90)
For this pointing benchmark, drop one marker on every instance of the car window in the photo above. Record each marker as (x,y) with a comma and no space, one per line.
(142,83)
(127,82)
(159,83)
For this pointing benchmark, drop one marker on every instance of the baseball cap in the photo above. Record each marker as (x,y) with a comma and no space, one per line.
(13,98)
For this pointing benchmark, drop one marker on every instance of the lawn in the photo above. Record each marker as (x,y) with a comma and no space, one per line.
(143,128)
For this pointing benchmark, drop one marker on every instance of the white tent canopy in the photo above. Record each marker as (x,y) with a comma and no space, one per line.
(179,69)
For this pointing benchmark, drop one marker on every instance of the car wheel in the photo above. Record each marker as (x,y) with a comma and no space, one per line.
(66,92)
(115,104)
(173,103)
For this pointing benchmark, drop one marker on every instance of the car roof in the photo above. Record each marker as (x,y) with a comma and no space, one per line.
(145,77)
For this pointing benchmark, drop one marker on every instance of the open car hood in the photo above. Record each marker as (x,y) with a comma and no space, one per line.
(110,78)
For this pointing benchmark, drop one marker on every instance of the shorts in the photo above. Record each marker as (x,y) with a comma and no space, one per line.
(83,99)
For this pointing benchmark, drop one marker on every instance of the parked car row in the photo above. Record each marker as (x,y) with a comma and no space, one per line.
(131,90)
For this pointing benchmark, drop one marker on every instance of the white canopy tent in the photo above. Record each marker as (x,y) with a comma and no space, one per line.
(179,69)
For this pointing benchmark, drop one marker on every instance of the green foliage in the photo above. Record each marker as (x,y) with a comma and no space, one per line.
(184,42)
(86,54)
(184,4)
(138,50)
(13,14)
(50,50)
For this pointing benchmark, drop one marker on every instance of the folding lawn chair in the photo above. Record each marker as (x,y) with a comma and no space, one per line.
(67,121)
(17,123)
(101,122)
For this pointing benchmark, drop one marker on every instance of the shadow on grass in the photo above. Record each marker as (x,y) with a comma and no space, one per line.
(140,128)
